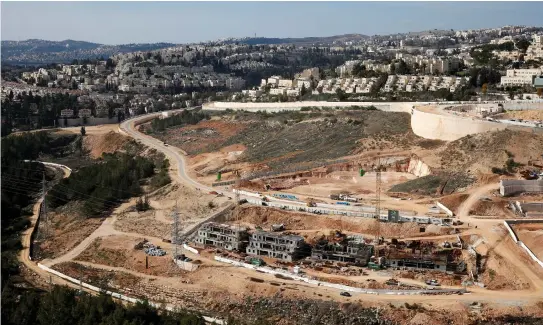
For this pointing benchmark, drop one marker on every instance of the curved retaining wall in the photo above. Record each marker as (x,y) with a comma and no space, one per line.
(448,128)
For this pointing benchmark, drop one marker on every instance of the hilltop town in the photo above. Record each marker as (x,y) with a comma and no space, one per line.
(291,181)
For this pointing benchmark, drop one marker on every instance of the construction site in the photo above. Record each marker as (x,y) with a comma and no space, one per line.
(386,218)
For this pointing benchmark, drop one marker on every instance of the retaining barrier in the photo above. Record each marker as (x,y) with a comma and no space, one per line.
(118,295)
(517,240)
(190,249)
(444,208)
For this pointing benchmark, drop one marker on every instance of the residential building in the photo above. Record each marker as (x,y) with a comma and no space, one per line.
(285,247)
(223,236)
(67,113)
(285,83)
(350,250)
(520,77)
(84,112)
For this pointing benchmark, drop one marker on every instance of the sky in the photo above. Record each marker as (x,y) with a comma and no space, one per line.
(185,22)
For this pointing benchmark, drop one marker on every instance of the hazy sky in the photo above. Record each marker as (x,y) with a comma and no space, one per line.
(181,22)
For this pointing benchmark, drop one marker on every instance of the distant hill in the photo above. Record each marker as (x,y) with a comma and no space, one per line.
(42,51)
(300,41)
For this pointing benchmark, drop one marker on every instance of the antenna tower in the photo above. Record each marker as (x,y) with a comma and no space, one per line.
(378,203)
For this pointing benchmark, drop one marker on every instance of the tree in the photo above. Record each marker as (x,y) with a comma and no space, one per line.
(522,44)
(83,131)
(484,89)
(303,91)
(539,92)
(148,71)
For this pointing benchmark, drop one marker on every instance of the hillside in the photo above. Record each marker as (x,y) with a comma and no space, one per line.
(291,138)
(481,152)
(43,51)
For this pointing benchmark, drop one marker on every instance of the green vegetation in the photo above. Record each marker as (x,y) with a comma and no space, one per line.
(282,144)
(104,185)
(63,306)
(439,184)
(186,117)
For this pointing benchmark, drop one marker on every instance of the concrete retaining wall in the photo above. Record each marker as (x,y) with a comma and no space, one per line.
(90,121)
(295,106)
(520,243)
(444,208)
(449,128)
(515,105)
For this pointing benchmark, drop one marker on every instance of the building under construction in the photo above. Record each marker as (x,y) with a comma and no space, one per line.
(284,247)
(440,260)
(349,250)
(224,236)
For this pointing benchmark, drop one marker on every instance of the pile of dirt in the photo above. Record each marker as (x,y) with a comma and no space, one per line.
(101,278)
(453,202)
(97,144)
(532,236)
(481,152)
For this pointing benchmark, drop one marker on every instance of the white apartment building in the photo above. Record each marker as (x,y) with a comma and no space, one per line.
(535,50)
(278,91)
(520,77)
(285,83)
(293,92)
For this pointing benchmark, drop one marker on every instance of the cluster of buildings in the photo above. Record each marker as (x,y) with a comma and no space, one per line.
(341,248)
(413,83)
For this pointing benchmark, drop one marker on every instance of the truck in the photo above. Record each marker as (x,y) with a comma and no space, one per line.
(343,203)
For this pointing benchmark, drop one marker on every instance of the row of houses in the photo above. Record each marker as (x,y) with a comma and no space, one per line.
(346,249)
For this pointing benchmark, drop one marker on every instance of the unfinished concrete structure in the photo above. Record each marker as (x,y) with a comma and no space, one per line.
(528,209)
(285,247)
(510,187)
(224,236)
(350,250)
(445,261)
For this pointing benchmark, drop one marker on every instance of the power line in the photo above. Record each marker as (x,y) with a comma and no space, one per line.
(67,191)
(108,204)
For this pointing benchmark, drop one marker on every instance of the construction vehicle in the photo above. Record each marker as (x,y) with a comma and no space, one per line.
(334,197)
(255,261)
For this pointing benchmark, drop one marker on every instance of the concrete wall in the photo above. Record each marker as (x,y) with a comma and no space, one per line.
(449,128)
(90,121)
(295,106)
(515,105)
(520,243)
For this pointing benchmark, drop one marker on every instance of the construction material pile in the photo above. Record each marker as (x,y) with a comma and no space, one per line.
(153,250)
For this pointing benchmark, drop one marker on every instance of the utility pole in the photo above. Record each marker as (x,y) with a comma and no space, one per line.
(175,235)
(378,203)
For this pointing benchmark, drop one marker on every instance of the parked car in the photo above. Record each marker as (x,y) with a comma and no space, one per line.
(345,294)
